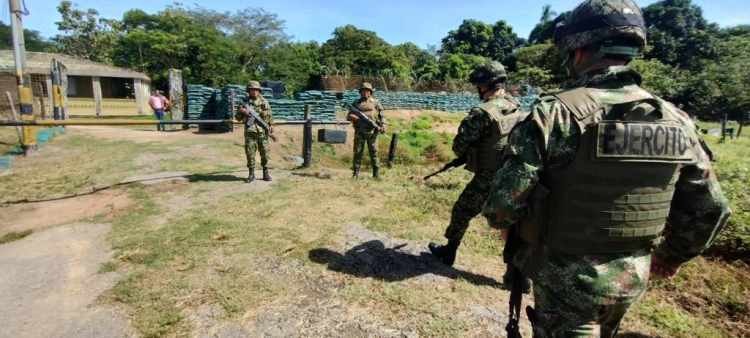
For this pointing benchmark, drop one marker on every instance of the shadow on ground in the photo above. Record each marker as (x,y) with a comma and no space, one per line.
(215,177)
(373,259)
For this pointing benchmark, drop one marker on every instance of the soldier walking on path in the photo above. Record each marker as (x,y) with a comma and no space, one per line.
(481,138)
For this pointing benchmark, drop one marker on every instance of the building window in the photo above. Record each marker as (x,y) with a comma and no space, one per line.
(117,88)
(80,86)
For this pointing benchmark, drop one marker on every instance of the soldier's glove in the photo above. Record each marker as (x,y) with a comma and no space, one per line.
(242,110)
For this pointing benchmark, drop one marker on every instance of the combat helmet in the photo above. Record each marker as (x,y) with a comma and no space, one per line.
(615,24)
(253,85)
(487,73)
(366,85)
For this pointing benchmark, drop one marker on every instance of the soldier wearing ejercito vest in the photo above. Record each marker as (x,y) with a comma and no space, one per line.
(481,138)
(591,176)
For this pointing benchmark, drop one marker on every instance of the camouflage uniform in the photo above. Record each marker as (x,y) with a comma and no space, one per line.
(366,134)
(256,138)
(481,138)
(469,203)
(587,294)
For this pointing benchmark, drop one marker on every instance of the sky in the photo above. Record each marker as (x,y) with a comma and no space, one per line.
(396,21)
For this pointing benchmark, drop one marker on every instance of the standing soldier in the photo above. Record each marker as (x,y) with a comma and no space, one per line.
(365,133)
(255,136)
(594,173)
(481,138)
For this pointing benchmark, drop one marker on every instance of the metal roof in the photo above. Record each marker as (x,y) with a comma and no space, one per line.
(40,63)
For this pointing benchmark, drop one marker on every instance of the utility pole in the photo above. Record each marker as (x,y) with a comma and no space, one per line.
(25,96)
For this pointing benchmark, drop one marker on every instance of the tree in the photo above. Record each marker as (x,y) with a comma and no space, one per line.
(213,48)
(678,33)
(85,35)
(547,14)
(251,31)
(356,50)
(172,39)
(478,38)
(458,66)
(545,30)
(504,41)
(538,65)
(292,63)
(33,40)
(419,63)
(730,72)
(658,78)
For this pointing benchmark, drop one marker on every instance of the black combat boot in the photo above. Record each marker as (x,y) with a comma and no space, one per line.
(250,176)
(446,253)
(375,172)
(266,176)
(355,172)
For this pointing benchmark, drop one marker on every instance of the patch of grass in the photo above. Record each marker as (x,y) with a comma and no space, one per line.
(732,166)
(674,322)
(106,267)
(14,236)
(75,165)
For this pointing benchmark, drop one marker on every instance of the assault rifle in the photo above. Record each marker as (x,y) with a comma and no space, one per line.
(362,116)
(516,286)
(253,117)
(456,162)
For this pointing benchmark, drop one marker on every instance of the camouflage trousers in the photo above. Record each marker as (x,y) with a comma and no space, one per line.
(369,137)
(469,204)
(256,141)
(560,316)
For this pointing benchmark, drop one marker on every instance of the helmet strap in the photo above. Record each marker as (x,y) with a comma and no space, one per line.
(481,92)
(604,50)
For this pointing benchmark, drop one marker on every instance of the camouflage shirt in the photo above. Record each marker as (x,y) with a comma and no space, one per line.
(262,107)
(478,123)
(547,139)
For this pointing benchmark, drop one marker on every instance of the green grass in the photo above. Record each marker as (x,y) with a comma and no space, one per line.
(732,166)
(106,267)
(14,236)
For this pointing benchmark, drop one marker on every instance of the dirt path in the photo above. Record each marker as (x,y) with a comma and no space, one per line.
(42,215)
(49,280)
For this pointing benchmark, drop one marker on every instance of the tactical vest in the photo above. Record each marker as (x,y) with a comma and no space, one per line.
(368,108)
(262,107)
(487,152)
(616,193)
